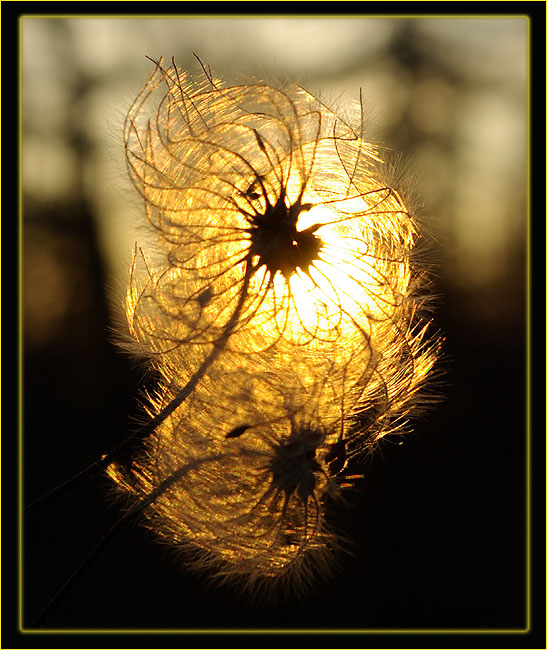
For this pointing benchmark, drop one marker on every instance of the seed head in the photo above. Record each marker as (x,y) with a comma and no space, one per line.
(264,189)
(255,510)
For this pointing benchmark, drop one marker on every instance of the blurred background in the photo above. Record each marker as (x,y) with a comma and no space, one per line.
(438,522)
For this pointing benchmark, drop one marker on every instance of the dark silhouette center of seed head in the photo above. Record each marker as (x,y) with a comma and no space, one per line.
(294,467)
(278,244)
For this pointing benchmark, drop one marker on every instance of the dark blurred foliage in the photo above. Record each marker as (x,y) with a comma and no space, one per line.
(437,523)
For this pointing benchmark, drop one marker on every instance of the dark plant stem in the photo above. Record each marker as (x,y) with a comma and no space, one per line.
(114,530)
(147,428)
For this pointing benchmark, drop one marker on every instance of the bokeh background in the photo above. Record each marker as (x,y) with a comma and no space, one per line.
(438,523)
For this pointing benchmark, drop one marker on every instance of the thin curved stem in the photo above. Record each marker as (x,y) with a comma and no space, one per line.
(147,428)
(114,530)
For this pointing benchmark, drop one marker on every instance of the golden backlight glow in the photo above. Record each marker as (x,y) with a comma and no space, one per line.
(274,299)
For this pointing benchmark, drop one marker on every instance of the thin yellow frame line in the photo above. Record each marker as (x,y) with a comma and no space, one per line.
(279,15)
(527,354)
(277,632)
(528,380)
(20,330)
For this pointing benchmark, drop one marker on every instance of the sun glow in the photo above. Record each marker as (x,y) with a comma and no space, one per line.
(353,283)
